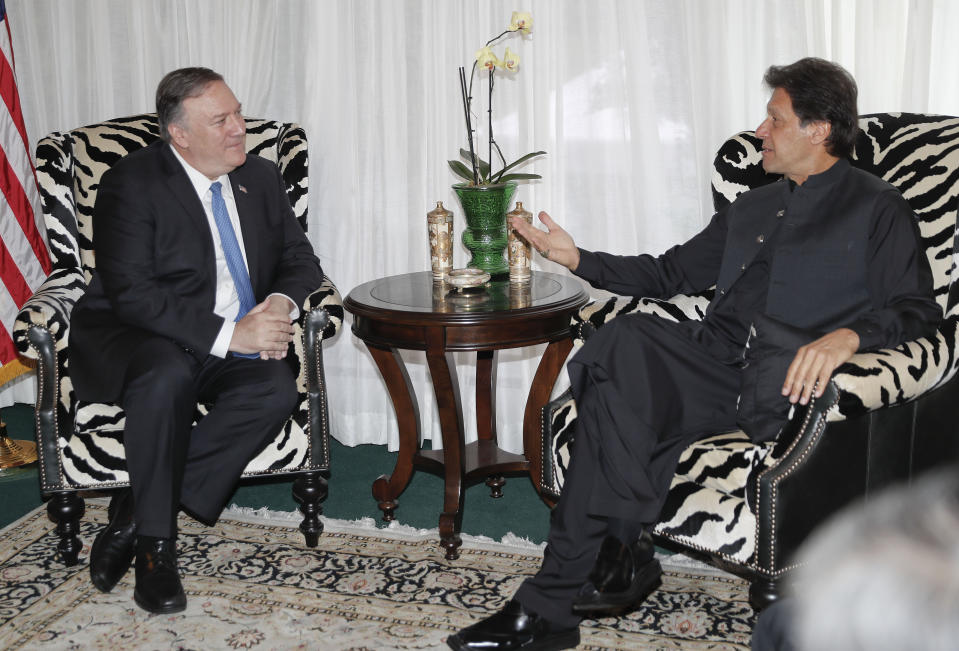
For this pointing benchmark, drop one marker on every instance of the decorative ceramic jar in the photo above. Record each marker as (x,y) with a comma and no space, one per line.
(439,223)
(520,251)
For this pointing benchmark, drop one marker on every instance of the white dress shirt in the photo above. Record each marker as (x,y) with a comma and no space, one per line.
(227,300)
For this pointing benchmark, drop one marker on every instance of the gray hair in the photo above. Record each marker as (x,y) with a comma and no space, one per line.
(177,86)
(885,575)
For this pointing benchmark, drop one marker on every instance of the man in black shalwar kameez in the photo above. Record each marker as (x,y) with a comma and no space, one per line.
(829,250)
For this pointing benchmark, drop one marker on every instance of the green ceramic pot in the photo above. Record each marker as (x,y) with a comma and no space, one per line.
(485,235)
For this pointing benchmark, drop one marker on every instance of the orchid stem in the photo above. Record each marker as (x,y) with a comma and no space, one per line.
(489,111)
(467,91)
(469,125)
(496,38)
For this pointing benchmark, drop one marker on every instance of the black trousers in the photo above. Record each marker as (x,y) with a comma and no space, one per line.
(170,462)
(775,627)
(645,389)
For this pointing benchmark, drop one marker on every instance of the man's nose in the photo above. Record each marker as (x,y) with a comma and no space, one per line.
(761,129)
(238,125)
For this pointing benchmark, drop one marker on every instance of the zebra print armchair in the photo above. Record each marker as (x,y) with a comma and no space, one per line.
(80,444)
(885,417)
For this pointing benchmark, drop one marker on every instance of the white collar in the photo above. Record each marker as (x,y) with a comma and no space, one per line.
(200,180)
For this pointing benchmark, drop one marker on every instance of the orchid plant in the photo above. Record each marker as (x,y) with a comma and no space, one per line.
(479,171)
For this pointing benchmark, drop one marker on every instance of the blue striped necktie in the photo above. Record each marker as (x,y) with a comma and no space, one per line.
(232,253)
(234,258)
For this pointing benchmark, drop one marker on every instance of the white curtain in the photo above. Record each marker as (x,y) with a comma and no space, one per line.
(630,99)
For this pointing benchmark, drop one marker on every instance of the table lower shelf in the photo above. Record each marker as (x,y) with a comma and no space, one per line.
(481,458)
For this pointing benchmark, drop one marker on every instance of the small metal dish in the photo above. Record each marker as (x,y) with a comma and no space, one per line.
(469,278)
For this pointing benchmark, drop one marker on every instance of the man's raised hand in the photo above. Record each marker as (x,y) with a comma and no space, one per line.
(553,244)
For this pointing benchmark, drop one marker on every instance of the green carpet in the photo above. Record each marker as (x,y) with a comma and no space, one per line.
(353,470)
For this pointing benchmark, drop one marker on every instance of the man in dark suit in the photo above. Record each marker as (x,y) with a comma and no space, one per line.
(828,256)
(201,268)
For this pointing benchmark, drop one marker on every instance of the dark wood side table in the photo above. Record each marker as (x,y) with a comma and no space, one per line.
(412,312)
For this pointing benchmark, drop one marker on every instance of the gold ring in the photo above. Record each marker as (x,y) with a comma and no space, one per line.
(545,253)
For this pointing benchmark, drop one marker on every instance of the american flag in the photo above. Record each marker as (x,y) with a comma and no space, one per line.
(24,260)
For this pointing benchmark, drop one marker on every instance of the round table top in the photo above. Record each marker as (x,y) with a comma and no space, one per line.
(418,296)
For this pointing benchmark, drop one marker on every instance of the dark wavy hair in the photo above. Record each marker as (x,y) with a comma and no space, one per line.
(177,86)
(821,90)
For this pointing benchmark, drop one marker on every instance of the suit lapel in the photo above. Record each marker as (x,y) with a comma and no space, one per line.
(183,192)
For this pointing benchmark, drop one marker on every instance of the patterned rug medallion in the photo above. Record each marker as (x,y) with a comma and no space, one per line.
(251,583)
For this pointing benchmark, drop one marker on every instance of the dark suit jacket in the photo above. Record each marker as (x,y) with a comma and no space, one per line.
(155,271)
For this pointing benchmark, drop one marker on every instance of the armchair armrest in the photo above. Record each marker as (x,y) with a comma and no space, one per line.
(322,311)
(813,476)
(41,332)
(558,425)
(321,319)
(892,376)
(49,310)
(681,307)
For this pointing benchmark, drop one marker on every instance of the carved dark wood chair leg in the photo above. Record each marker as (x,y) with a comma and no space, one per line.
(66,509)
(309,490)
(763,592)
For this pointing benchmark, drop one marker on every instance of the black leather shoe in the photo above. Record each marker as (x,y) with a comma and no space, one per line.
(113,548)
(514,627)
(158,588)
(622,576)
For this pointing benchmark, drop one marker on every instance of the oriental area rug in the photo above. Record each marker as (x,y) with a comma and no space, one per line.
(251,583)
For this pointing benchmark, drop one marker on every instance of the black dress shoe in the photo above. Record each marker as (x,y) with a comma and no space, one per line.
(158,588)
(514,627)
(113,548)
(622,576)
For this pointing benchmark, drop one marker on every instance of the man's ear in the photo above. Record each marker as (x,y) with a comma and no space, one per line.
(819,131)
(178,135)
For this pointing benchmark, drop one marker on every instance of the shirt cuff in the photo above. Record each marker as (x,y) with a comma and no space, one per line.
(221,345)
